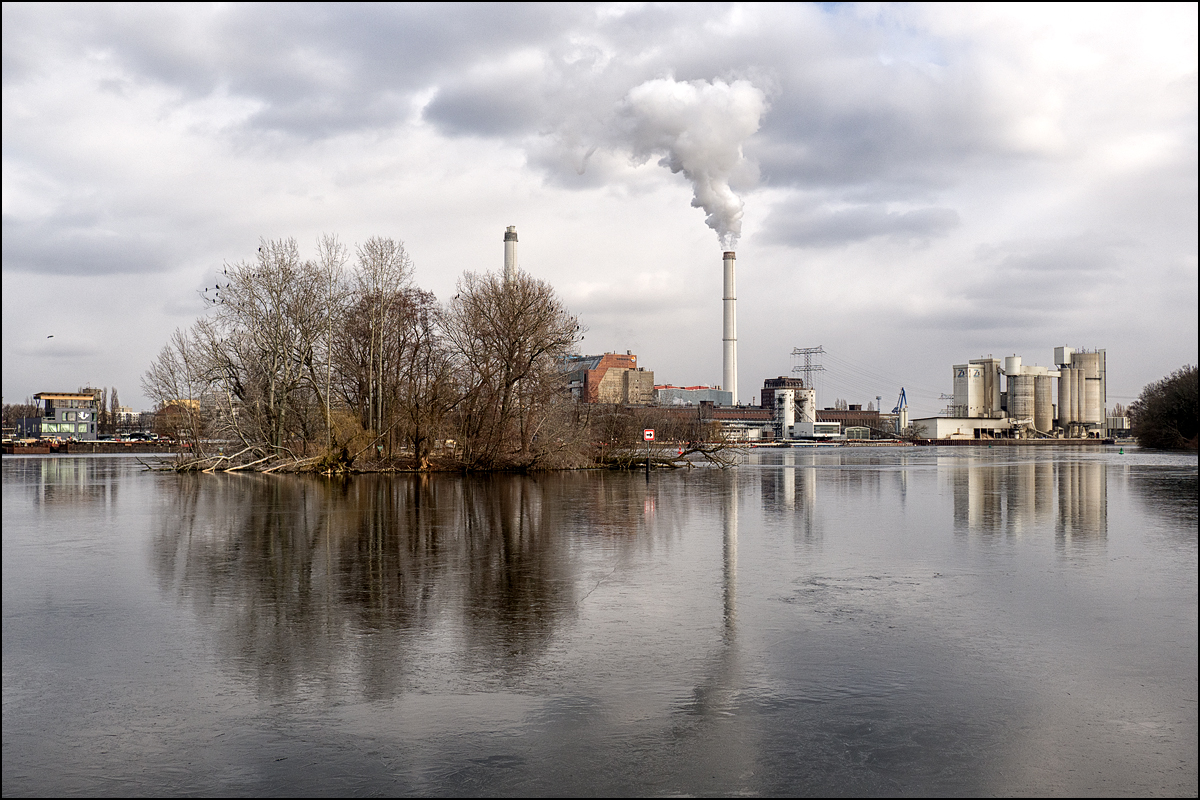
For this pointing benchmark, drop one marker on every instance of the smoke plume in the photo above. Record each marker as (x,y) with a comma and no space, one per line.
(698,129)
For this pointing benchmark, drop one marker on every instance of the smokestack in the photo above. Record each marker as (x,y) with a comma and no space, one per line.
(729,373)
(510,253)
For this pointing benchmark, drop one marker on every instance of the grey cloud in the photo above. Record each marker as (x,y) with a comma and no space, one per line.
(58,347)
(839,115)
(317,69)
(59,246)
(476,108)
(815,226)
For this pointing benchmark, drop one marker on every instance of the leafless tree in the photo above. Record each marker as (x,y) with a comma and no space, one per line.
(509,339)
(175,380)
(114,410)
(263,341)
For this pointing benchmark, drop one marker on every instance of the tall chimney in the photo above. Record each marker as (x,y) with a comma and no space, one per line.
(510,253)
(729,373)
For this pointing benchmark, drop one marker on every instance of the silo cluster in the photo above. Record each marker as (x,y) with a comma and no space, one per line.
(1026,406)
(1030,394)
(1081,387)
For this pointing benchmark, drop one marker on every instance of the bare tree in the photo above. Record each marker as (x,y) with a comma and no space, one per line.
(114,410)
(384,273)
(509,340)
(262,345)
(103,419)
(174,381)
(332,255)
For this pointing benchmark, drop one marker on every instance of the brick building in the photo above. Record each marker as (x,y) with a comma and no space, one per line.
(610,378)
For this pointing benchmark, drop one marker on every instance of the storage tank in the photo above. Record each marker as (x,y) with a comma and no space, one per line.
(1020,397)
(785,412)
(1066,386)
(806,405)
(1012,365)
(1091,406)
(960,389)
(1077,394)
(1043,403)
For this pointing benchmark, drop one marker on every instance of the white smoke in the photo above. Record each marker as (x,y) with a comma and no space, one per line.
(698,127)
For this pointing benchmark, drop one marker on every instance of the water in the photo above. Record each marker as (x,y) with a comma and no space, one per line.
(849,621)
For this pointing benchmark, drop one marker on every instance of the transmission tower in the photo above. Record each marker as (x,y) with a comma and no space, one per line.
(808,368)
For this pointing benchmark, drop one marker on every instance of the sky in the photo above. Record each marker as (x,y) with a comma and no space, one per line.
(906,186)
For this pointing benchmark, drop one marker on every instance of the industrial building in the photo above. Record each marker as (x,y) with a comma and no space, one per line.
(64,415)
(1025,407)
(610,378)
(668,395)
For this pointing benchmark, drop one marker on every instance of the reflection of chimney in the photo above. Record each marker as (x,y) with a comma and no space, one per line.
(729,340)
(730,551)
(510,253)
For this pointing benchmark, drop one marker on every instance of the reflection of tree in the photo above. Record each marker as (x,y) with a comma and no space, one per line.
(306,584)
(515,576)
(1169,492)
(315,582)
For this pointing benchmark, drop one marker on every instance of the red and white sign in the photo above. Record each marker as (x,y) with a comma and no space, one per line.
(648,434)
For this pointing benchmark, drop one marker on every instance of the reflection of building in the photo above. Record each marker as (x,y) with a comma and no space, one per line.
(1022,498)
(1082,502)
(610,378)
(789,492)
(63,416)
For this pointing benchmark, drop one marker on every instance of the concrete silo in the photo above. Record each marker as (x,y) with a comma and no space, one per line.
(1021,397)
(1043,403)
(1091,365)
(1082,391)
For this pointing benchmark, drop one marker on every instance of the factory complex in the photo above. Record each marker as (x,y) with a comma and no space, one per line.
(992,398)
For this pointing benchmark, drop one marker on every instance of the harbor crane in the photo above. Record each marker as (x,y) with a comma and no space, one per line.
(901,409)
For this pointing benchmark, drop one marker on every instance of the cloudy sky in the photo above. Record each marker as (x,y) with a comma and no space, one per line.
(908,186)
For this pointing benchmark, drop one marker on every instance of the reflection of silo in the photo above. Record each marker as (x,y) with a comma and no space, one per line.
(1082,502)
(788,490)
(1019,483)
(1021,397)
(1043,403)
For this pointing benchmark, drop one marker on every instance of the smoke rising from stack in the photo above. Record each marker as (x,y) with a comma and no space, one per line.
(698,128)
